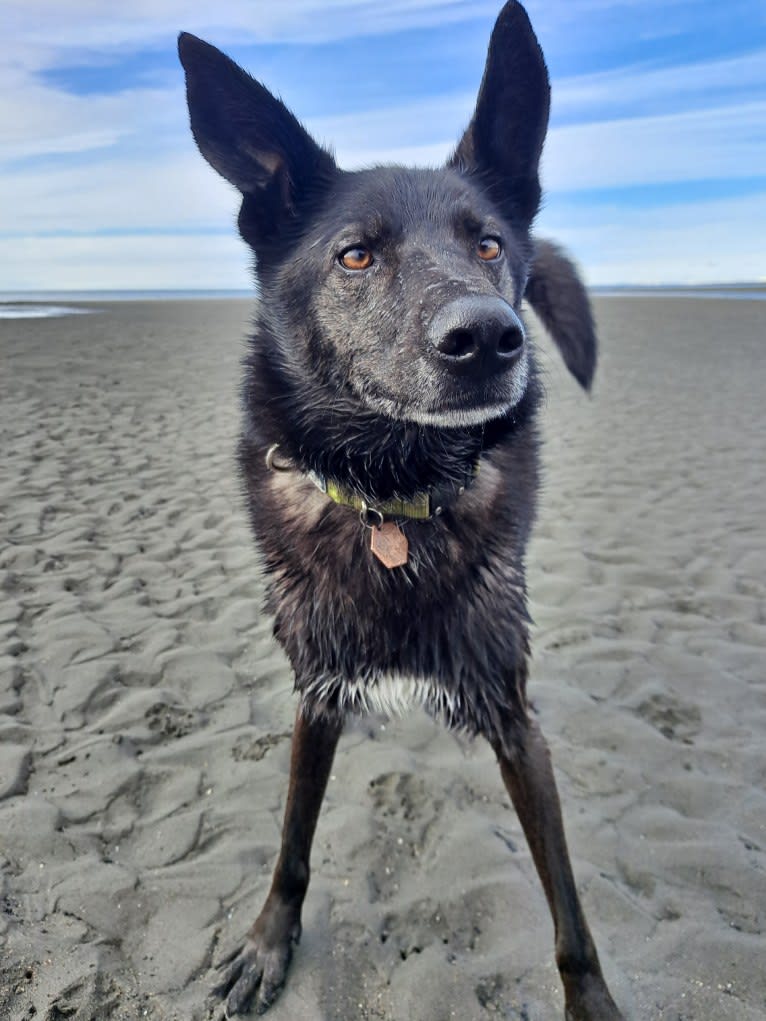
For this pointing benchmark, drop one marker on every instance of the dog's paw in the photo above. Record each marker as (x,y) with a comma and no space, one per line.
(253,975)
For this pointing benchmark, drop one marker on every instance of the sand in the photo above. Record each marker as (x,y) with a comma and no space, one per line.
(145,712)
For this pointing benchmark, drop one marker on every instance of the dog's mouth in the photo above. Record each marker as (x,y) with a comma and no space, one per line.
(440,399)
(457,418)
(466,412)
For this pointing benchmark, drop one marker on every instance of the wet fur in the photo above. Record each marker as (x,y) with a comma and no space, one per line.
(341,375)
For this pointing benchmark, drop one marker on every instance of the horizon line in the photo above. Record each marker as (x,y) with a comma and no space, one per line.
(24,294)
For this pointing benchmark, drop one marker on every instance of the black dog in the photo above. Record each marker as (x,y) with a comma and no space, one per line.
(389,449)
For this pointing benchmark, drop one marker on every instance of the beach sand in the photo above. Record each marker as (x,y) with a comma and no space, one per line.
(145,712)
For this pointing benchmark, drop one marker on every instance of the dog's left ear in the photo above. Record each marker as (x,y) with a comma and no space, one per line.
(504,140)
(558,296)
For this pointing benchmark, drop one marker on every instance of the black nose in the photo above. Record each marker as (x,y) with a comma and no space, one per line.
(477,334)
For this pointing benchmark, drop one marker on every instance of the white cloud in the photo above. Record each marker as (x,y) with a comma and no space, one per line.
(40,121)
(724,143)
(698,242)
(124,263)
(421,127)
(637,87)
(173,191)
(45,28)
(702,145)
(49,33)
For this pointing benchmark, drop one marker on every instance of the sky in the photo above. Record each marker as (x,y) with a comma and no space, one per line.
(654,169)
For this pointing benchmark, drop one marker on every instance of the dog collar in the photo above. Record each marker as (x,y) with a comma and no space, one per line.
(426,504)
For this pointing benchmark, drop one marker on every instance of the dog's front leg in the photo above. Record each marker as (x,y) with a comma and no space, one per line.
(258,969)
(528,775)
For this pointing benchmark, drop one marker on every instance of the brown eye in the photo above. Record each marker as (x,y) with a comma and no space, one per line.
(489,249)
(356,258)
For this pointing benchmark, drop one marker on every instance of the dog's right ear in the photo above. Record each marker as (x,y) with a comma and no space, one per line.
(248,135)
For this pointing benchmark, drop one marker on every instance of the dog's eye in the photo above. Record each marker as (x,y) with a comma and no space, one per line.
(489,249)
(356,258)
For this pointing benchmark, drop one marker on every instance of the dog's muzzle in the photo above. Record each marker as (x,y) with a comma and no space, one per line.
(476,335)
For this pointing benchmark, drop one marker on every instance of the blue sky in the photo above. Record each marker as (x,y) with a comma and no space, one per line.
(654,168)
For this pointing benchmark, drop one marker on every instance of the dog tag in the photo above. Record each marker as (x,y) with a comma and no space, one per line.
(389,544)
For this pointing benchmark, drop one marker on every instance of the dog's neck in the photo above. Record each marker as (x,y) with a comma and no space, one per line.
(359,451)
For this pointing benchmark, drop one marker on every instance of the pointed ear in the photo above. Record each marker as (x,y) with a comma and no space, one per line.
(505,138)
(244,132)
(558,296)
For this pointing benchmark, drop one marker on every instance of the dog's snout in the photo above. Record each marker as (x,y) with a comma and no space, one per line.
(477,334)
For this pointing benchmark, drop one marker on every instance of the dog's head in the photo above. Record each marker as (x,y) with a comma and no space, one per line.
(399,288)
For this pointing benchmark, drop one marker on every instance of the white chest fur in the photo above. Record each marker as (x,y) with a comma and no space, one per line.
(391,694)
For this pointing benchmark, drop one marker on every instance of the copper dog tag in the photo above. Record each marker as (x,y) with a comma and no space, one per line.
(389,544)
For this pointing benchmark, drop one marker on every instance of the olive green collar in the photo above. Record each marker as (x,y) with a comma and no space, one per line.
(419,507)
(425,504)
